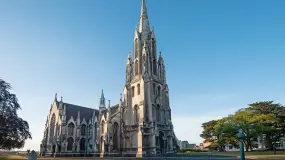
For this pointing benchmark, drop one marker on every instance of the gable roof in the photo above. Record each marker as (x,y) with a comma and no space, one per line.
(72,110)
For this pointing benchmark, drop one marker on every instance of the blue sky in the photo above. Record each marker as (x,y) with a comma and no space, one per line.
(220,55)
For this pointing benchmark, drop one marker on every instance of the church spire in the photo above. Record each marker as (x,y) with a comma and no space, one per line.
(102,95)
(144,23)
(102,101)
(143,9)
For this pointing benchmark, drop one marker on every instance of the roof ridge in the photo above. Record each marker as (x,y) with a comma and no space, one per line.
(79,106)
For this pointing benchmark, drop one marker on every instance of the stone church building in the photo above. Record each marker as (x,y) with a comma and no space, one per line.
(140,125)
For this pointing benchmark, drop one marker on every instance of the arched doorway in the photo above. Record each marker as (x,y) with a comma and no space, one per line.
(161,142)
(70,142)
(82,144)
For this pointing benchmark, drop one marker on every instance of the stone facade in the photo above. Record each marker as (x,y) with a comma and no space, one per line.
(139,125)
(70,129)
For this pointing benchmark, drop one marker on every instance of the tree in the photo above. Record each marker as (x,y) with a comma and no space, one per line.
(272,119)
(208,130)
(219,133)
(225,132)
(208,134)
(259,119)
(13,129)
(243,119)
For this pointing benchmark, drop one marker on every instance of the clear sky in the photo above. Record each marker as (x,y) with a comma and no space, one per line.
(220,55)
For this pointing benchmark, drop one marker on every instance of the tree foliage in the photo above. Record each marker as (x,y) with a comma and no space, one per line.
(13,129)
(260,119)
(209,130)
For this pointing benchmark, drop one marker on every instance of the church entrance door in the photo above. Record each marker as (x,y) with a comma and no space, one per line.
(161,142)
(53,150)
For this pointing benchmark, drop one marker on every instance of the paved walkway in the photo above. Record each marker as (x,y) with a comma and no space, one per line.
(147,158)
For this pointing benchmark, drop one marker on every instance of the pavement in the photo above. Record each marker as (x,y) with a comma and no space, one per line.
(150,158)
(168,158)
(188,157)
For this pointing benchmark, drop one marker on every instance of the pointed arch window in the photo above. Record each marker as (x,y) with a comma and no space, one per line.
(71,129)
(136,67)
(139,89)
(102,143)
(136,116)
(57,129)
(52,127)
(164,116)
(153,112)
(133,91)
(90,130)
(154,66)
(136,48)
(153,88)
(83,130)
(102,127)
(153,47)
(159,91)
(158,113)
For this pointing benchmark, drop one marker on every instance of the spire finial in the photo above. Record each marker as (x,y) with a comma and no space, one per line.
(109,103)
(129,55)
(55,98)
(143,9)
(61,98)
(121,101)
(144,24)
(102,94)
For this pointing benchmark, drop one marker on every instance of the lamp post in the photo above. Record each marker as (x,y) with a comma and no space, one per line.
(240,136)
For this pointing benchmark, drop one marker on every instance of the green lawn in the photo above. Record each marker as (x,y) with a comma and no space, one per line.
(251,155)
(236,153)
(11,157)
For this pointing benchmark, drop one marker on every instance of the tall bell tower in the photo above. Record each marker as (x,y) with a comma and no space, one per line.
(146,93)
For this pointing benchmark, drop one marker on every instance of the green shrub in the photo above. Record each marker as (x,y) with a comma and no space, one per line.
(189,150)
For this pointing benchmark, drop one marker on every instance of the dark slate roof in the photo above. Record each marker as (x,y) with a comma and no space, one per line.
(72,110)
(114,109)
